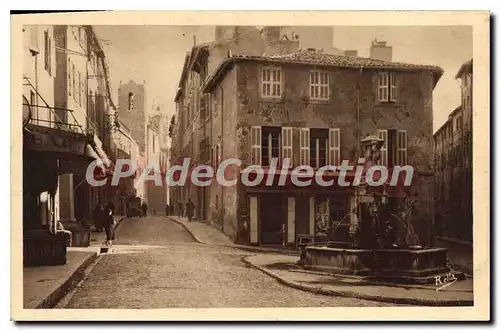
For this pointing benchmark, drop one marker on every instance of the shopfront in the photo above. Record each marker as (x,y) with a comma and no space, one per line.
(52,161)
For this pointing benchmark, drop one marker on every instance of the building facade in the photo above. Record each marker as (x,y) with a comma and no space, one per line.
(82,87)
(313,108)
(58,143)
(453,175)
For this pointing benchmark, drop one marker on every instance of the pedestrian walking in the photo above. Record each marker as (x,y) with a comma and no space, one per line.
(109,223)
(181,209)
(190,207)
(144,209)
(167,210)
(97,216)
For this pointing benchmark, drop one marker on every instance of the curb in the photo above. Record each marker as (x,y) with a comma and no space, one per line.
(187,229)
(242,247)
(350,294)
(60,292)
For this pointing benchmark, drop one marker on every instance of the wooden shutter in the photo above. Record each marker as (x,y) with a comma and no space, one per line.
(286,143)
(383,86)
(402,142)
(291,220)
(393,85)
(254,220)
(382,134)
(334,147)
(305,146)
(256,144)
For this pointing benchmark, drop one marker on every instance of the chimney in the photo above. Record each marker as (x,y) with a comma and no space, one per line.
(379,50)
(351,52)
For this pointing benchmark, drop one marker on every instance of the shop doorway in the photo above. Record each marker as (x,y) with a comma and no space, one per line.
(272,219)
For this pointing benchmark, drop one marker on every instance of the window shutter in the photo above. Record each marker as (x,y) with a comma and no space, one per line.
(383,86)
(286,137)
(394,90)
(382,134)
(402,148)
(256,145)
(305,146)
(334,147)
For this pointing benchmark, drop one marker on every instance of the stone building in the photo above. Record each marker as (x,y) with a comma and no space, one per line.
(82,100)
(59,137)
(314,108)
(453,176)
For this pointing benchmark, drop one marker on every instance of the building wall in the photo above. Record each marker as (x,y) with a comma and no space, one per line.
(71,82)
(412,112)
(38,80)
(453,176)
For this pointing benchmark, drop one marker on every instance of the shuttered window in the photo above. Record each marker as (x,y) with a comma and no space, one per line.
(304,146)
(334,147)
(256,145)
(287,145)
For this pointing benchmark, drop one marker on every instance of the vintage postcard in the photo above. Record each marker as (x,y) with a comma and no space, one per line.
(251,166)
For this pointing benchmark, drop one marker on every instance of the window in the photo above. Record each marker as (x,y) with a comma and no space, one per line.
(387,87)
(256,145)
(394,151)
(47,52)
(271,82)
(287,144)
(402,158)
(70,78)
(334,147)
(131,101)
(304,141)
(318,147)
(319,85)
(382,134)
(271,137)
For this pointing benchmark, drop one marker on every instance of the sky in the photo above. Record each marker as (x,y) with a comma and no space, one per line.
(155,54)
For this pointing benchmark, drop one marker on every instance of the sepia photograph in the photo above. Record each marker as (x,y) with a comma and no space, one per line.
(278,161)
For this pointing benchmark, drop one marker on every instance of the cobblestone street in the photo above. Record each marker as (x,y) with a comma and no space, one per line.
(157,264)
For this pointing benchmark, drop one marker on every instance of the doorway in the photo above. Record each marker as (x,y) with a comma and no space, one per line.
(272,219)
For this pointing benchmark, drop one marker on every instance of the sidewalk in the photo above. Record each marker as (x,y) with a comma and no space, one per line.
(284,269)
(45,286)
(203,233)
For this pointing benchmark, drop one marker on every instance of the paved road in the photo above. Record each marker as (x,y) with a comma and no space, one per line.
(181,273)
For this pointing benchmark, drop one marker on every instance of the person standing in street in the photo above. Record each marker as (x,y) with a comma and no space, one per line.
(109,224)
(144,209)
(190,209)
(167,210)
(97,216)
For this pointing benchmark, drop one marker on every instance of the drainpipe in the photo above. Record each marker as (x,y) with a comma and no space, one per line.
(221,151)
(358,137)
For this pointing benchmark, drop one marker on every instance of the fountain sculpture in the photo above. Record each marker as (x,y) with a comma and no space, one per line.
(374,248)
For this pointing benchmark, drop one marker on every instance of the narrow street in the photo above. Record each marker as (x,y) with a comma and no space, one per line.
(157,264)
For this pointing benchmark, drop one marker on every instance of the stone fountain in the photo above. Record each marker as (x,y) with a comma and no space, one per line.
(374,249)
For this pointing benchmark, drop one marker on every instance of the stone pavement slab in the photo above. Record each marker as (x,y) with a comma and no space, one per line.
(284,269)
(44,286)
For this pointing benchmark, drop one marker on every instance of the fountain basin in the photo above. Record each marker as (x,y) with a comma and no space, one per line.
(421,265)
